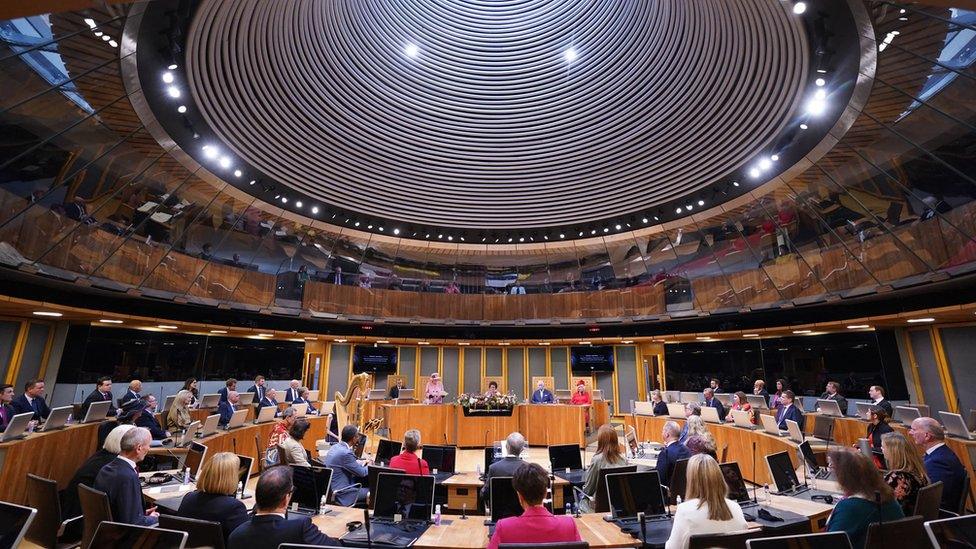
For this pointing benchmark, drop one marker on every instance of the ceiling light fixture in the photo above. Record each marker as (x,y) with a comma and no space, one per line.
(857,326)
(750,335)
(110,321)
(238,173)
(803,126)
(47,313)
(168,77)
(218,331)
(167,326)
(173,67)
(411,49)
(801,331)
(571,54)
(173,92)
(181,109)
(340,341)
(916,320)
(224,162)
(799,8)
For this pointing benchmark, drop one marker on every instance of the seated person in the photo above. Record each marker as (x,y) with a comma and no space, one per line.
(542,395)
(303,393)
(832,392)
(741,403)
(940,462)
(657,399)
(229,385)
(692,409)
(860,481)
(32,401)
(698,444)
(178,418)
(270,527)
(70,505)
(607,456)
(395,390)
(293,390)
(788,410)
(147,419)
(877,395)
(226,408)
(906,472)
(506,466)
(672,452)
(120,480)
(707,508)
(6,410)
(294,452)
(278,433)
(129,415)
(492,389)
(270,400)
(214,499)
(712,402)
(347,471)
(536,524)
(102,392)
(408,460)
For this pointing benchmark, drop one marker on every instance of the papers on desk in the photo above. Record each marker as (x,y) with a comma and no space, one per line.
(170,489)
(160,217)
(145,208)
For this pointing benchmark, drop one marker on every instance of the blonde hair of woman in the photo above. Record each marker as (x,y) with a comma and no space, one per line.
(706,483)
(902,455)
(220,475)
(178,417)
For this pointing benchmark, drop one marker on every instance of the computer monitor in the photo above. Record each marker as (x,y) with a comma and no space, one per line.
(116,534)
(58,418)
(246,398)
(492,454)
(823,427)
(244,472)
(808,456)
(679,476)
(300,409)
(724,398)
(793,428)
(14,522)
(311,483)
(266,414)
(742,418)
(373,475)
(955,425)
(209,400)
(757,402)
(953,532)
(781,469)
(829,408)
(823,540)
(237,419)
(565,456)
(906,414)
(676,410)
(17,428)
(710,415)
(409,496)
(442,458)
(632,493)
(387,449)
(735,482)
(360,446)
(504,501)
(194,458)
(864,409)
(167,403)
(97,411)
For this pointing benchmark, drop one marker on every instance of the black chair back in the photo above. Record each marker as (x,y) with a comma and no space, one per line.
(95,508)
(963,497)
(905,532)
(927,501)
(42,494)
(200,533)
(117,534)
(601,502)
(733,540)
(559,545)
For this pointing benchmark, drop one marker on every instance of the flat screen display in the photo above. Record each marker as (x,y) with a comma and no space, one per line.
(633,493)
(442,458)
(374,360)
(591,359)
(409,496)
(565,455)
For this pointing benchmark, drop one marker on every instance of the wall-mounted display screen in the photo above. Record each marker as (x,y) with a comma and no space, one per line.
(591,359)
(370,359)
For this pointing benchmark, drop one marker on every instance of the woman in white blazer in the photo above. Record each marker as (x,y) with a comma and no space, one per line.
(706,509)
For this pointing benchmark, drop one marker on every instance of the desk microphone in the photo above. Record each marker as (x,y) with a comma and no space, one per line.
(486,437)
(665,499)
(755,484)
(643,531)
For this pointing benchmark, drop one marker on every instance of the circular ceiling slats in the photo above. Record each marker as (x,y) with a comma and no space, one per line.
(489,125)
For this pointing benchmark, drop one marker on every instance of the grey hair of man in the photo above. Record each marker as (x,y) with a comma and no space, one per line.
(133,438)
(515,443)
(672,429)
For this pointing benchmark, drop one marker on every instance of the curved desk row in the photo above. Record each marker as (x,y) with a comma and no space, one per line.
(541,424)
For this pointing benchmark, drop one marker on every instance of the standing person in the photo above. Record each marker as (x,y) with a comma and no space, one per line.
(214,499)
(408,461)
(6,410)
(536,524)
(119,479)
(346,469)
(707,508)
(788,410)
(191,385)
(582,398)
(32,401)
(906,472)
(672,452)
(229,385)
(258,389)
(832,392)
(608,456)
(657,399)
(102,392)
(178,418)
(434,391)
(940,462)
(860,482)
(877,394)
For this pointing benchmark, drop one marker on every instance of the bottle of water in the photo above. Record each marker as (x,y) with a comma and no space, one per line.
(766,492)
(186,475)
(437,515)
(569,509)
(322,506)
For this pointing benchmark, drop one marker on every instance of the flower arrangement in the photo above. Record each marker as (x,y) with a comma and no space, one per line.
(497,401)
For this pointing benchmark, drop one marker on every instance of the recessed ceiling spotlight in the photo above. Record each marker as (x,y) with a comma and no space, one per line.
(799,8)
(571,55)
(803,126)
(544,343)
(606,229)
(238,173)
(644,220)
(521,239)
(218,331)
(617,227)
(315,209)
(181,109)
(581,233)
(340,341)
(106,38)
(173,92)
(110,321)
(801,331)
(754,172)
(509,239)
(224,162)
(395,231)
(750,335)
(47,313)
(816,106)
(820,82)
(735,183)
(251,182)
(463,343)
(284,199)
(411,49)
(369,226)
(703,338)
(381,230)
(210,151)
(173,67)
(677,210)
(450,238)
(688,207)
(91,22)
(913,320)
(765,164)
(440,236)
(356,224)
(167,326)
(593,231)
(774,158)
(820,94)
(298,204)
(168,77)
(701,202)
(99,34)
(113,43)
(562,235)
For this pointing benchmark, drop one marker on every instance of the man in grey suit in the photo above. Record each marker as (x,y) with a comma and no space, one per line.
(347,471)
(506,466)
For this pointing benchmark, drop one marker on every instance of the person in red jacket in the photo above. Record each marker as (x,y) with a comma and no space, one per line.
(408,460)
(537,524)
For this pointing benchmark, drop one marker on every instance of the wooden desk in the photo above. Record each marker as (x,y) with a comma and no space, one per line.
(551,424)
(600,414)
(463,488)
(479,431)
(54,455)
(436,422)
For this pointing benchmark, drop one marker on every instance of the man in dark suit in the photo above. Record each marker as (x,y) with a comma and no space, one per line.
(877,394)
(258,389)
(788,410)
(395,390)
(147,419)
(292,392)
(226,408)
(713,402)
(103,391)
(541,395)
(270,400)
(941,463)
(507,466)
(132,393)
(32,400)
(229,385)
(269,527)
(672,452)
(759,388)
(303,393)
(347,471)
(833,393)
(120,481)
(6,410)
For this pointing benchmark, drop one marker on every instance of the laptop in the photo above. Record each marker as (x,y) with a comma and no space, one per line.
(244,474)
(823,428)
(116,534)
(864,409)
(360,446)
(310,484)
(710,415)
(58,418)
(679,476)
(168,403)
(246,398)
(794,431)
(14,522)
(313,395)
(17,429)
(441,459)
(724,398)
(503,502)
(952,532)
(265,414)
(195,455)
(97,411)
(402,511)
(492,454)
(770,426)
(187,437)
(386,450)
(633,493)
(300,409)
(373,476)
(784,476)
(376,394)
(906,414)
(210,400)
(735,482)
(742,418)
(690,396)
(806,451)
(672,396)
(955,425)
(757,402)
(210,426)
(566,462)
(237,420)
(676,410)
(829,408)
